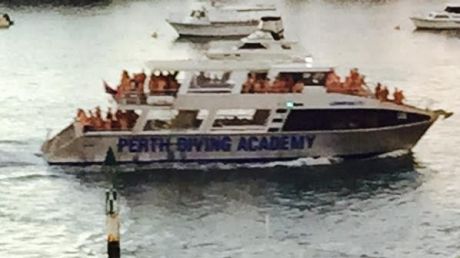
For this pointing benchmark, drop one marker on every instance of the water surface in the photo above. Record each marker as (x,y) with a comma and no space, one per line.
(53,61)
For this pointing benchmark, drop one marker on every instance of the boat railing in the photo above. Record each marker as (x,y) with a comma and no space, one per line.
(210,90)
(133,98)
(88,129)
(240,128)
(165,92)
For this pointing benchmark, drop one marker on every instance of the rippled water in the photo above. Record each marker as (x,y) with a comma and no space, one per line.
(54,59)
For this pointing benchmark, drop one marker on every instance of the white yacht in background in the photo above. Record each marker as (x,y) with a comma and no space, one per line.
(267,42)
(219,21)
(5,21)
(238,111)
(447,19)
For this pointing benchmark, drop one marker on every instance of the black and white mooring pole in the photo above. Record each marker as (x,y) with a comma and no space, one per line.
(113,224)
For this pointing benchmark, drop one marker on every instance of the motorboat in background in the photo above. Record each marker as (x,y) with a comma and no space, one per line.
(5,21)
(267,42)
(219,21)
(449,18)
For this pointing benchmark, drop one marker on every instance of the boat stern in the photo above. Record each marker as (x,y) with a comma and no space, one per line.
(54,145)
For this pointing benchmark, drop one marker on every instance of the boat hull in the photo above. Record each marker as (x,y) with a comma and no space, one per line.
(432,24)
(93,148)
(227,29)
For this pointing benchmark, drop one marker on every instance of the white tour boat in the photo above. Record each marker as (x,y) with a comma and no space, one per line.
(219,21)
(447,19)
(237,111)
(5,21)
(267,42)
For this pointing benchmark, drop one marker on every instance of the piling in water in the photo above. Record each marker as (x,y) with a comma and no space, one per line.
(113,224)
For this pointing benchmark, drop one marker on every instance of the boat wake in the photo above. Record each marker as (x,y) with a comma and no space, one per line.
(393,161)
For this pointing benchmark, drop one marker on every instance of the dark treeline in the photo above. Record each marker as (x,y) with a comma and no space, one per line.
(77,3)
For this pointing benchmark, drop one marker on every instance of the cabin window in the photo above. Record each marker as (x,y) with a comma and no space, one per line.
(284,46)
(218,82)
(281,111)
(175,120)
(272,130)
(198,14)
(241,117)
(441,16)
(314,78)
(252,46)
(342,119)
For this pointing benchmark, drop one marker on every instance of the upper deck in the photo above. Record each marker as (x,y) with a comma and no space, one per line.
(210,96)
(170,79)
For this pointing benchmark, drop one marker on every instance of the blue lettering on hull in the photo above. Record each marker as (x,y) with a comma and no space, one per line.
(216,143)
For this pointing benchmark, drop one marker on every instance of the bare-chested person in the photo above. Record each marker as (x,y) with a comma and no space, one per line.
(82,117)
(398,96)
(378,90)
(333,83)
(298,87)
(248,85)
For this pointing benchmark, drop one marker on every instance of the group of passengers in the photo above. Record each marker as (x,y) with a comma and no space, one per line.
(119,120)
(355,84)
(160,83)
(163,83)
(260,83)
(382,92)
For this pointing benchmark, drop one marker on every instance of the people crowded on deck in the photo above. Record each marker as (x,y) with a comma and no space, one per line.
(333,83)
(120,120)
(160,83)
(383,93)
(163,83)
(354,83)
(260,83)
(398,96)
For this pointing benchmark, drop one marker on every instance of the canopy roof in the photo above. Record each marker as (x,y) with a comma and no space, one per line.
(230,65)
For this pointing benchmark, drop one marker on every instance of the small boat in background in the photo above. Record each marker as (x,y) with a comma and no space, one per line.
(267,42)
(219,21)
(444,20)
(5,21)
